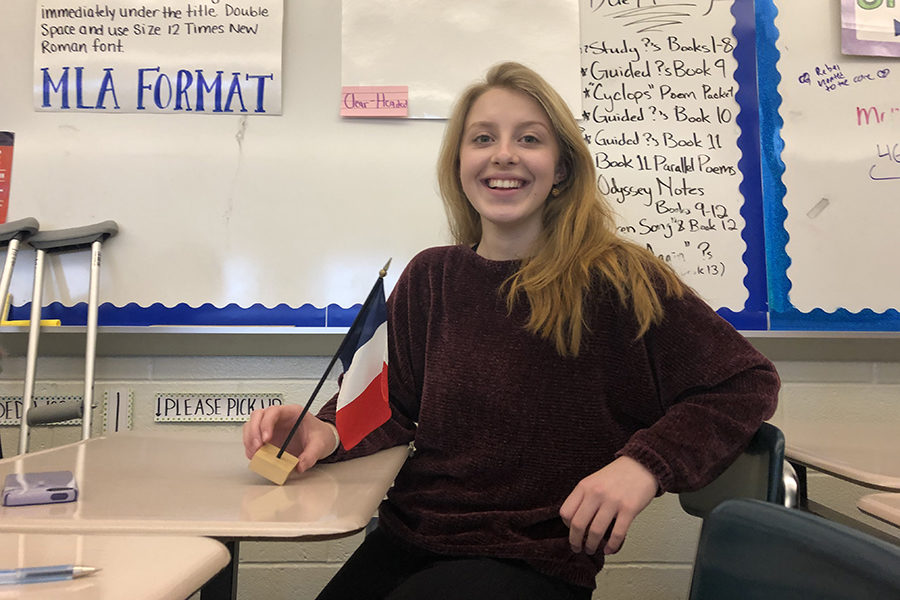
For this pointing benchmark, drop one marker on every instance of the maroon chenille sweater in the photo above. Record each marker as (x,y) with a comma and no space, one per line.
(504,427)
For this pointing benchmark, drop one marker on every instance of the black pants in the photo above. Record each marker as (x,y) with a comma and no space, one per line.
(383,568)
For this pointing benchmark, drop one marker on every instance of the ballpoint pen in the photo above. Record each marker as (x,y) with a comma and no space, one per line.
(44,574)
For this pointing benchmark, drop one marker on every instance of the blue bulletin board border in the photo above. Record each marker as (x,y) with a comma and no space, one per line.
(782,314)
(754,315)
(134,315)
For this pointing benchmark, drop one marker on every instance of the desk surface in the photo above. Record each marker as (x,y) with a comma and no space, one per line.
(865,453)
(198,484)
(882,506)
(135,567)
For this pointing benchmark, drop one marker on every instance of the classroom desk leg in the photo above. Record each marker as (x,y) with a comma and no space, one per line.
(802,492)
(223,585)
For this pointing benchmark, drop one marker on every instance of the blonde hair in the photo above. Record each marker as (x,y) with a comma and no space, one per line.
(579,239)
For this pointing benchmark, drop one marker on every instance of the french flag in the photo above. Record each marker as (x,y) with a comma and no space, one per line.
(362,404)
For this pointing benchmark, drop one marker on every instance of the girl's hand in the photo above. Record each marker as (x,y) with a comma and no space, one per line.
(313,440)
(603,505)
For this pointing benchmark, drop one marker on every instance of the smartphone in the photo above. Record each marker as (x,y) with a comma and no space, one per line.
(48,487)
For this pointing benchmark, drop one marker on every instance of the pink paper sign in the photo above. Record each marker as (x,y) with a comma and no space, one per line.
(375,101)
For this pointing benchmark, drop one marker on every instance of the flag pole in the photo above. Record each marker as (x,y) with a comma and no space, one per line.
(354,325)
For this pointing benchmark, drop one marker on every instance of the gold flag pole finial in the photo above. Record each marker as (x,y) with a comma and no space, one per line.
(384,269)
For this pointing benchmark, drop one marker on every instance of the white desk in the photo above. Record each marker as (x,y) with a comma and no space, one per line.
(866,453)
(134,567)
(199,484)
(882,506)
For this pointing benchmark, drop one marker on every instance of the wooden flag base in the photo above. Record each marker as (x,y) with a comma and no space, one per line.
(266,463)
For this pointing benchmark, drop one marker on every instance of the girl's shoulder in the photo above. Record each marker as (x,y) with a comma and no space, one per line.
(430,263)
(431,260)
(436,254)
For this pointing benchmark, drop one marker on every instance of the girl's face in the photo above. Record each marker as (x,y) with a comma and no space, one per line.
(508,163)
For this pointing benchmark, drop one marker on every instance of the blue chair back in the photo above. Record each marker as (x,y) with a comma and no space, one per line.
(754,550)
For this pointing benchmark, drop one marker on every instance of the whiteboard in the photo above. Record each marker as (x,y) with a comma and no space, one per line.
(448,41)
(829,130)
(294,209)
(660,118)
(299,211)
(842,164)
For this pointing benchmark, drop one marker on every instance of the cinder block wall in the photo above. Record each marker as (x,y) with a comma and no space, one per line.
(655,563)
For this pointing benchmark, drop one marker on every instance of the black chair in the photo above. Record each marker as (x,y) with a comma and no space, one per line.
(755,550)
(757,473)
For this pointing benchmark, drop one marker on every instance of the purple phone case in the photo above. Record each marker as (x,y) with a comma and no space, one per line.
(48,487)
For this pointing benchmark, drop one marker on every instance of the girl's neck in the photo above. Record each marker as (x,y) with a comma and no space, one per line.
(500,248)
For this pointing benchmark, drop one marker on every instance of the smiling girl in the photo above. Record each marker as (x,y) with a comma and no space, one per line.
(553,377)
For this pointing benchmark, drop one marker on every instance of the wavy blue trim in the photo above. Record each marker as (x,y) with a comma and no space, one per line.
(333,315)
(754,315)
(840,320)
(183,314)
(342,317)
(745,320)
(777,260)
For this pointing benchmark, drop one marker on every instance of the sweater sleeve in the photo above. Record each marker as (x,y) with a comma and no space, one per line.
(402,388)
(714,389)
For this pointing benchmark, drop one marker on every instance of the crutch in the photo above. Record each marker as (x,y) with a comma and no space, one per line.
(58,241)
(11,236)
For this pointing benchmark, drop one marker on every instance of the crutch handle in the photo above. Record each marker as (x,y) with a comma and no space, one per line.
(54,413)
(73,238)
(18,230)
